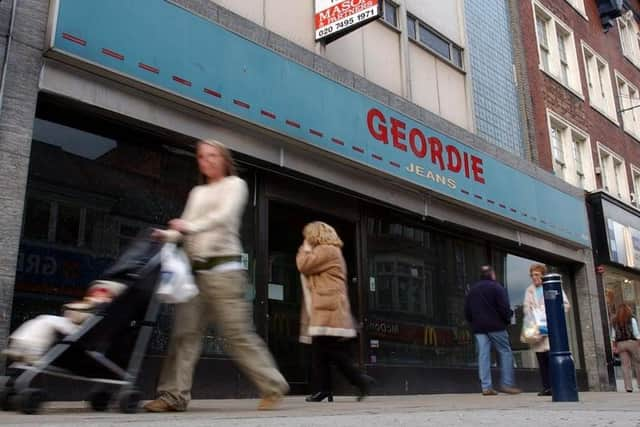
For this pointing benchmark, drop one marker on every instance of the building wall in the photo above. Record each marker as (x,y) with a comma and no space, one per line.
(495,96)
(548,93)
(16,123)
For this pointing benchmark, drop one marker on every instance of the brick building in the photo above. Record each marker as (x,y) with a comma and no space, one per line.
(583,67)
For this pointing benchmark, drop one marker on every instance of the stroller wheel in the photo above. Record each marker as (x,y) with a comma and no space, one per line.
(100,400)
(30,400)
(6,393)
(129,401)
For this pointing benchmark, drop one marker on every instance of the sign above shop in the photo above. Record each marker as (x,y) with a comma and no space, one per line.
(335,18)
(221,70)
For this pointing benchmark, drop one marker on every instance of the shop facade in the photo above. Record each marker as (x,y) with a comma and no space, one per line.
(420,203)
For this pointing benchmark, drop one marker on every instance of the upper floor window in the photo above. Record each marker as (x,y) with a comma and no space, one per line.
(629,105)
(630,38)
(556,49)
(390,13)
(435,42)
(635,196)
(599,83)
(613,173)
(578,5)
(571,153)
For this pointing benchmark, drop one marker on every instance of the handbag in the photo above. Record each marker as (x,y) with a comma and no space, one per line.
(530,333)
(176,280)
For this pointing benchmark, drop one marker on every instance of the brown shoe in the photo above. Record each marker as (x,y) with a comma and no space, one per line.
(489,392)
(159,405)
(510,390)
(270,402)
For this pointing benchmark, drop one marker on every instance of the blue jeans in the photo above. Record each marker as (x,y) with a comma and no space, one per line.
(500,340)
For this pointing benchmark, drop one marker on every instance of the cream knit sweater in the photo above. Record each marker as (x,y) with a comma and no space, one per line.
(213,214)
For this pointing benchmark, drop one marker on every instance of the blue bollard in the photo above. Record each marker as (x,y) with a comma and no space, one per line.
(562,367)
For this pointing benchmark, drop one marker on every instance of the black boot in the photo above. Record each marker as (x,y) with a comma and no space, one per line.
(365,386)
(320,396)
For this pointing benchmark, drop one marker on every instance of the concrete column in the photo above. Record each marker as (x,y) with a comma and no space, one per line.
(16,125)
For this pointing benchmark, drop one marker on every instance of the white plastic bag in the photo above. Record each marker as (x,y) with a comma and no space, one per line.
(176,281)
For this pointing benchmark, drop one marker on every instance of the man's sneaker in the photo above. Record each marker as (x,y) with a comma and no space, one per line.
(545,392)
(159,405)
(510,390)
(489,392)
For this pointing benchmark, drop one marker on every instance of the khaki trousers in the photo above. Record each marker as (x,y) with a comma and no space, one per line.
(222,302)
(628,350)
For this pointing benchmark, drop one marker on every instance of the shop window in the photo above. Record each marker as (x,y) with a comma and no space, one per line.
(36,221)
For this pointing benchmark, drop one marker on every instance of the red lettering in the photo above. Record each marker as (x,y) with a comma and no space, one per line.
(466,165)
(436,151)
(454,162)
(379,133)
(397,128)
(418,151)
(476,167)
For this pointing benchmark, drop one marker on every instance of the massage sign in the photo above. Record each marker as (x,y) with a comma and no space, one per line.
(428,156)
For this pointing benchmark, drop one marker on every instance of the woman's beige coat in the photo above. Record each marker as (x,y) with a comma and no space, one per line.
(326,310)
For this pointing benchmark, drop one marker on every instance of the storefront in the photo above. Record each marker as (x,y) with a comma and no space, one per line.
(615,228)
(419,211)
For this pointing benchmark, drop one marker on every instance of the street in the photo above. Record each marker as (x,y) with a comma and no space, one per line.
(594,409)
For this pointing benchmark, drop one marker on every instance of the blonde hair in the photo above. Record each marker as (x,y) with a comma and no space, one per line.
(540,268)
(321,233)
(230,167)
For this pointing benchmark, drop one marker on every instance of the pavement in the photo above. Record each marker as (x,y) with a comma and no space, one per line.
(527,409)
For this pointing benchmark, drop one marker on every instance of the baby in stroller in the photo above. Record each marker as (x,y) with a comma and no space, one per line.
(34,337)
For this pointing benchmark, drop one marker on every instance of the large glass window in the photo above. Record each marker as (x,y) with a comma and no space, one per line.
(94,184)
(417,280)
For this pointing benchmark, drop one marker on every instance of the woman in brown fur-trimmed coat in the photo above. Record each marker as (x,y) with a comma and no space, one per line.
(326,321)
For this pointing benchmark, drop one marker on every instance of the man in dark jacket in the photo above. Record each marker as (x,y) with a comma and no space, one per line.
(487,310)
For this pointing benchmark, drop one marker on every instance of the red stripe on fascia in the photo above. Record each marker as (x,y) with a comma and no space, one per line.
(113,54)
(394,164)
(241,103)
(315,132)
(268,114)
(358,149)
(74,39)
(337,141)
(375,156)
(464,192)
(181,80)
(477,196)
(212,92)
(149,68)
(491,201)
(293,124)
(502,206)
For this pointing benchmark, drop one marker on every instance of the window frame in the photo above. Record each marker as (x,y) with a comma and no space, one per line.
(635,194)
(632,109)
(606,103)
(454,48)
(552,67)
(383,17)
(631,53)
(623,193)
(569,134)
(578,6)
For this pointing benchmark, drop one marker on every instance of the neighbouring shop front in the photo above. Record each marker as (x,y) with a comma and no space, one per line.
(615,228)
(419,211)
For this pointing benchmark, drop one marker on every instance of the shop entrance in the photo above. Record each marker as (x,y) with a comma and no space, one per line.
(286,222)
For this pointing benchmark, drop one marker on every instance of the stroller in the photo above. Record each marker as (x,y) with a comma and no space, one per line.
(108,347)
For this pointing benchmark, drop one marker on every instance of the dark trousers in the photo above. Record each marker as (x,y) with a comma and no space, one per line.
(327,351)
(543,363)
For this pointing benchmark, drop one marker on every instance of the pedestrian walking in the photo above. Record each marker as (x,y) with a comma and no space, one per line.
(488,312)
(326,320)
(625,336)
(209,230)
(533,308)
